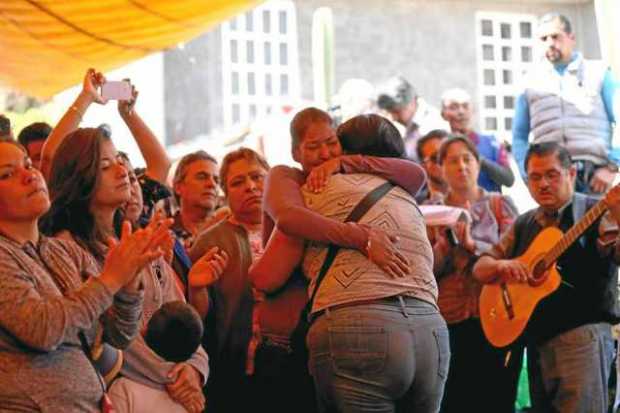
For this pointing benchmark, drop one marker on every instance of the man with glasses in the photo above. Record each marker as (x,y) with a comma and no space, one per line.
(427,149)
(570,346)
(569,100)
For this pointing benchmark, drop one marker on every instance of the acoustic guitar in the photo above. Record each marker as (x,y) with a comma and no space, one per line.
(505,308)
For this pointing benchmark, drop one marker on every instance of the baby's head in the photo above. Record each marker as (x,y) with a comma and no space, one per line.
(174,332)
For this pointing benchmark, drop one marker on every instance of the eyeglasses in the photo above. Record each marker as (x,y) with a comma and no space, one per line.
(549,176)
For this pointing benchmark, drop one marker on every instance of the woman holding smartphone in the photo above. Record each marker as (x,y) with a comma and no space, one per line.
(54,302)
(89,185)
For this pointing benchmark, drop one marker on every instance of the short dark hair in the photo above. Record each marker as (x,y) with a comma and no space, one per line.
(35,132)
(396,93)
(452,139)
(372,135)
(549,148)
(174,331)
(302,121)
(5,126)
(549,17)
(434,134)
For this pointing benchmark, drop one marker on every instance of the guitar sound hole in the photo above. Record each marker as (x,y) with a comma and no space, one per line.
(539,274)
(539,270)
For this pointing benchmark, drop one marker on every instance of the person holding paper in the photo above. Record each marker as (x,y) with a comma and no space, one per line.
(456,248)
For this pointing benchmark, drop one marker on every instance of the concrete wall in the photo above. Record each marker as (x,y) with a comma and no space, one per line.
(430,43)
(193,79)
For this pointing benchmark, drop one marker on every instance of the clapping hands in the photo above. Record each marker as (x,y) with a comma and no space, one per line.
(208,268)
(135,249)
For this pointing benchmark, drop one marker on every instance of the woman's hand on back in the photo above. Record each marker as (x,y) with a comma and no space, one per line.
(319,176)
(382,249)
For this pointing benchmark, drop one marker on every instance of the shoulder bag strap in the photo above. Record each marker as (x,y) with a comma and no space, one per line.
(358,212)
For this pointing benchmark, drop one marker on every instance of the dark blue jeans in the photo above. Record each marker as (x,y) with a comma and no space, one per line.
(385,357)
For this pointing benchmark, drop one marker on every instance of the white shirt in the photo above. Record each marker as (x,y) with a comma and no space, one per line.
(132,397)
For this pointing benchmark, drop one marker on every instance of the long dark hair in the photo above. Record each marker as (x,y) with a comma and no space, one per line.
(74,177)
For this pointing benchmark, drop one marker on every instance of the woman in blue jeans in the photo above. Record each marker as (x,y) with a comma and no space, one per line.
(378,342)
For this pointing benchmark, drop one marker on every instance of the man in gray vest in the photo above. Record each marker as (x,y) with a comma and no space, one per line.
(569,100)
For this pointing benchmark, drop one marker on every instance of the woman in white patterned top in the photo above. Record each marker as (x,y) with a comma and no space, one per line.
(378,342)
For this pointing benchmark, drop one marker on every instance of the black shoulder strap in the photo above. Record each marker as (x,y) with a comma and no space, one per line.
(358,212)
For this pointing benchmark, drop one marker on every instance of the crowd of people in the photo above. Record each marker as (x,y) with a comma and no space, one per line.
(112,301)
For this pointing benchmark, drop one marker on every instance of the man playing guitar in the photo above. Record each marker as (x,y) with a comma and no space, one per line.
(569,339)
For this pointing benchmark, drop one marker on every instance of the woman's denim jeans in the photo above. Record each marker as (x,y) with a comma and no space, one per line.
(388,356)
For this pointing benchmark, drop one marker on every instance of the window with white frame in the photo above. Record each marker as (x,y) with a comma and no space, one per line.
(505,50)
(260,61)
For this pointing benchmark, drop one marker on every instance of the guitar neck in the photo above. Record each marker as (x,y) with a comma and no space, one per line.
(575,232)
